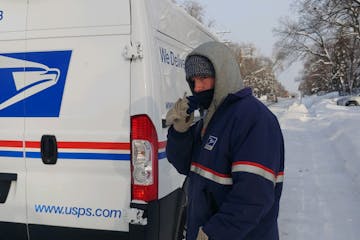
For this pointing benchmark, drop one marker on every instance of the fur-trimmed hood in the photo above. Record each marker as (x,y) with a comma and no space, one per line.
(227,73)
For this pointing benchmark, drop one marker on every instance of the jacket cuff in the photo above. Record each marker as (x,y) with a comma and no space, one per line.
(177,134)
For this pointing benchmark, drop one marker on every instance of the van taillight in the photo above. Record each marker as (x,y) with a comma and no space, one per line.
(144,159)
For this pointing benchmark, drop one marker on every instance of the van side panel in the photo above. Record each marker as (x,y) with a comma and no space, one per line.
(11,140)
(173,34)
(173,21)
(80,93)
(166,34)
(13,17)
(66,112)
(70,14)
(12,163)
(89,185)
(171,58)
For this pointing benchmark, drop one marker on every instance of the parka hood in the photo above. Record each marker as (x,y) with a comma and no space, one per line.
(227,73)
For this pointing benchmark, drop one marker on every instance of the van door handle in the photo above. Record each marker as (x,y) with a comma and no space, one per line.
(5,183)
(49,149)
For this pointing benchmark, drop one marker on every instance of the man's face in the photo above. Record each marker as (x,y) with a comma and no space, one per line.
(203,83)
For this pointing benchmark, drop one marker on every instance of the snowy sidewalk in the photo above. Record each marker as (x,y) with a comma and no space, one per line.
(321,195)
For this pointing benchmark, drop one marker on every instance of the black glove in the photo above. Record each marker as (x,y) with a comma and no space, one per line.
(193,104)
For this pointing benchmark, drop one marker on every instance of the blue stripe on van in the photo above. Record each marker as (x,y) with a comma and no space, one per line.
(162,155)
(78,156)
(17,154)
(85,156)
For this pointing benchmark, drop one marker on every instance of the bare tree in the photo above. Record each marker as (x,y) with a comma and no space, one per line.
(197,11)
(326,35)
(194,9)
(257,71)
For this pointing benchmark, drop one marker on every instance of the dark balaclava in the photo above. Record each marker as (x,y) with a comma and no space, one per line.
(199,66)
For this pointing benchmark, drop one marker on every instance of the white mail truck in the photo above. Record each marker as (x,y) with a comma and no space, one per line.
(84,89)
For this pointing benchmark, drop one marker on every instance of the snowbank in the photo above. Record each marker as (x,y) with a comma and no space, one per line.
(321,195)
(297,107)
(309,101)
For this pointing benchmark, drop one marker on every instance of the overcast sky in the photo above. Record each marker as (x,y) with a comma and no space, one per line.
(252,21)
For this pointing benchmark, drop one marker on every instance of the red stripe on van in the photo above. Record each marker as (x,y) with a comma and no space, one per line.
(29,144)
(11,144)
(84,145)
(75,145)
(162,144)
(95,145)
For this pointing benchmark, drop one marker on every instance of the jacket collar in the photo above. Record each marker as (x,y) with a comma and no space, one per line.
(238,95)
(231,98)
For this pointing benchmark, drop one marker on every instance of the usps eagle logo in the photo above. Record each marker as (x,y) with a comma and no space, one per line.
(210,143)
(32,83)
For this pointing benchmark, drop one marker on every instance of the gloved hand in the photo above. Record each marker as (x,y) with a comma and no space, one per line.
(178,116)
(193,104)
(201,235)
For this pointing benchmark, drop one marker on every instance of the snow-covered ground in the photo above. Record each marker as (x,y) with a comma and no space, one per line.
(321,195)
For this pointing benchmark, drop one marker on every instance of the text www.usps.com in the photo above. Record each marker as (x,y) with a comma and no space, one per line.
(77,211)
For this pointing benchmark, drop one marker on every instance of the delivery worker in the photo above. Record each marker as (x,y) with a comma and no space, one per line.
(233,157)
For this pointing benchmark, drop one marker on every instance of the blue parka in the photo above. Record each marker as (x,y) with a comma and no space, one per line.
(234,161)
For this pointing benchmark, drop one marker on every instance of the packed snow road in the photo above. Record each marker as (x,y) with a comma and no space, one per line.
(321,195)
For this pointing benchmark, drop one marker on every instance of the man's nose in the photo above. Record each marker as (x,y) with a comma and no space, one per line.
(198,86)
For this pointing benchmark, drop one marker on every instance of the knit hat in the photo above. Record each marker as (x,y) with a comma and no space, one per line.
(198,66)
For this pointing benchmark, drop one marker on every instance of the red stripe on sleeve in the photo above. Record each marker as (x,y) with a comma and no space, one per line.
(255,165)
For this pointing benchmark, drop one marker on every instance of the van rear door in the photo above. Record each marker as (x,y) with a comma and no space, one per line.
(12,163)
(77,124)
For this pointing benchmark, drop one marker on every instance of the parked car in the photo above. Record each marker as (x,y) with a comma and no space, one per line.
(349,100)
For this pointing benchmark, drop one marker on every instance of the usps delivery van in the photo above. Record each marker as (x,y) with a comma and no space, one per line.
(84,89)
